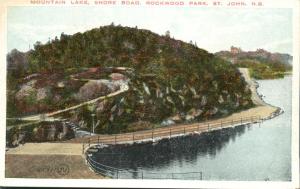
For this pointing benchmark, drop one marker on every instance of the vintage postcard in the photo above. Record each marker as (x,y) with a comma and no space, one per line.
(150,93)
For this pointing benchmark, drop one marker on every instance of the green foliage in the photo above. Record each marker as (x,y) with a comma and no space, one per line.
(177,74)
(262,69)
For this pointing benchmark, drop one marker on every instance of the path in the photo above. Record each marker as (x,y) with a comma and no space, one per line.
(252,115)
(53,156)
(253,86)
(262,111)
(47,148)
(48,116)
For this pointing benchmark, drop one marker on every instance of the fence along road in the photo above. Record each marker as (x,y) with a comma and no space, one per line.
(154,135)
(118,173)
(261,112)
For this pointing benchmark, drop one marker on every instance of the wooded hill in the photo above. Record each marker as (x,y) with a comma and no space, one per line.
(261,63)
(169,78)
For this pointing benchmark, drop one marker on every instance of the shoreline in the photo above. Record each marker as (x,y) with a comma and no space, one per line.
(265,110)
(78,147)
(262,111)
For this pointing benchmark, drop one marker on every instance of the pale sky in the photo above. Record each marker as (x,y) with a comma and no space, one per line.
(212,29)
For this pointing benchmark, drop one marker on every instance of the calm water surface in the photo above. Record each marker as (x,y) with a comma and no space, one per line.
(256,152)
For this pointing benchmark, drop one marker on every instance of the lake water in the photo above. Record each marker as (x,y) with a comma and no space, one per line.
(250,153)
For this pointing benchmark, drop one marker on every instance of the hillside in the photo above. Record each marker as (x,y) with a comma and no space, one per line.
(261,63)
(169,80)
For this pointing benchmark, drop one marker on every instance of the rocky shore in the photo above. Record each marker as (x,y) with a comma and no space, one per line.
(71,153)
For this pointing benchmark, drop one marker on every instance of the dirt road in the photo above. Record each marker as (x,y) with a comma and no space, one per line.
(19,160)
(252,85)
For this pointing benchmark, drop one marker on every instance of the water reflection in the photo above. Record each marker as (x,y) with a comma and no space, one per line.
(248,153)
(181,149)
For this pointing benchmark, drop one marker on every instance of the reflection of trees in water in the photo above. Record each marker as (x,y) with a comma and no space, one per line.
(181,149)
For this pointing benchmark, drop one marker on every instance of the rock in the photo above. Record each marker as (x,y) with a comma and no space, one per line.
(31,76)
(224,91)
(60,136)
(189,117)
(238,96)
(247,89)
(128,45)
(22,136)
(193,90)
(139,125)
(228,97)
(102,106)
(203,101)
(94,89)
(146,88)
(167,122)
(15,141)
(224,111)
(111,118)
(169,99)
(172,89)
(31,83)
(195,112)
(42,93)
(120,111)
(25,91)
(28,99)
(182,100)
(113,108)
(18,138)
(65,130)
(237,104)
(220,100)
(215,84)
(60,84)
(141,100)
(82,124)
(56,98)
(117,76)
(39,134)
(159,94)
(176,118)
(245,103)
(214,111)
(51,133)
(167,90)
(112,86)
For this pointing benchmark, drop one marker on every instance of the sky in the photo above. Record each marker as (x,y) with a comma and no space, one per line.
(212,29)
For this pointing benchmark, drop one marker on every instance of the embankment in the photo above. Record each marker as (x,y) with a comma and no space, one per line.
(66,160)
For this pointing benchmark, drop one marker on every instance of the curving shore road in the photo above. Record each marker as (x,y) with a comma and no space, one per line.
(260,112)
(253,86)
(41,153)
